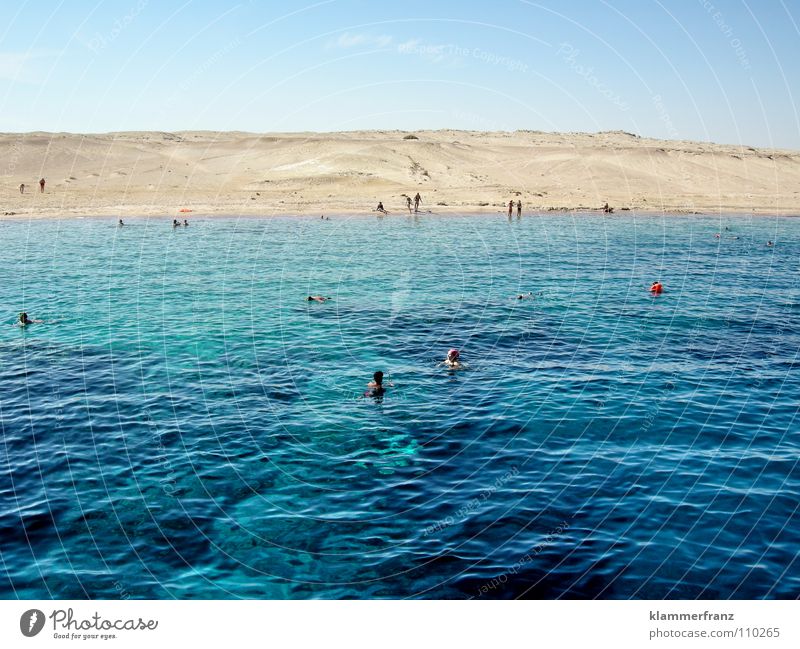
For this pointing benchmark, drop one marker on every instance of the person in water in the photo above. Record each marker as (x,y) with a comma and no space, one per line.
(510,208)
(185,223)
(121,223)
(770,244)
(417,201)
(380,208)
(375,386)
(453,359)
(607,209)
(317,298)
(175,223)
(657,288)
(519,209)
(24,320)
(524,296)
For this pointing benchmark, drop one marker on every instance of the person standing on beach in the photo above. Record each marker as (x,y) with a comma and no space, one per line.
(417,201)
(22,188)
(408,203)
(510,208)
(519,209)
(41,185)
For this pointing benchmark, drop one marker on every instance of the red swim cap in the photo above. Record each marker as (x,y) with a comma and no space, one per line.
(453,352)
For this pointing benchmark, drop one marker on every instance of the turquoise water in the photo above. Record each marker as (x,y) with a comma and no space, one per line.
(185,424)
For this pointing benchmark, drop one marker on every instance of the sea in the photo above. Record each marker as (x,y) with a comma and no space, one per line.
(184,423)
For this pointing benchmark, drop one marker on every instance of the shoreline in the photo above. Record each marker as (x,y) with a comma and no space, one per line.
(455,172)
(227,213)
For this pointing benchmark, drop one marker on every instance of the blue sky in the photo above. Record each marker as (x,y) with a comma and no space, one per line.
(719,70)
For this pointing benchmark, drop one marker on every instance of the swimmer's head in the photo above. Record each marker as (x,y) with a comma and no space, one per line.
(453,355)
(378,377)
(23,317)
(309,299)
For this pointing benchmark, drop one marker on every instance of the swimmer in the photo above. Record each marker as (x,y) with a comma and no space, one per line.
(453,359)
(657,288)
(375,386)
(524,296)
(317,298)
(185,223)
(24,320)
(121,223)
(175,223)
(770,244)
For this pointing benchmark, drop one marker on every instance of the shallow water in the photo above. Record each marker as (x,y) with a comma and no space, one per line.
(186,425)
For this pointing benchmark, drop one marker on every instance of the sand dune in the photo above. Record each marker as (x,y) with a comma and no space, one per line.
(454,171)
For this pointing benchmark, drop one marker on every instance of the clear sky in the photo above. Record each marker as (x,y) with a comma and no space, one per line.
(721,70)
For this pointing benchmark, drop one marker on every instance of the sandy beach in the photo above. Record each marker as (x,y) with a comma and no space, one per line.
(155,173)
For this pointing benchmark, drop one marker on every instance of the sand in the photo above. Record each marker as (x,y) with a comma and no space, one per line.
(153,173)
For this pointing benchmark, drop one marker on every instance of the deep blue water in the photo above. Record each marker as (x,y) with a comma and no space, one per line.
(185,425)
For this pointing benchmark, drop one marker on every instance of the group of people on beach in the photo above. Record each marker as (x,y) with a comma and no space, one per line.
(417,200)
(511,208)
(41,186)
